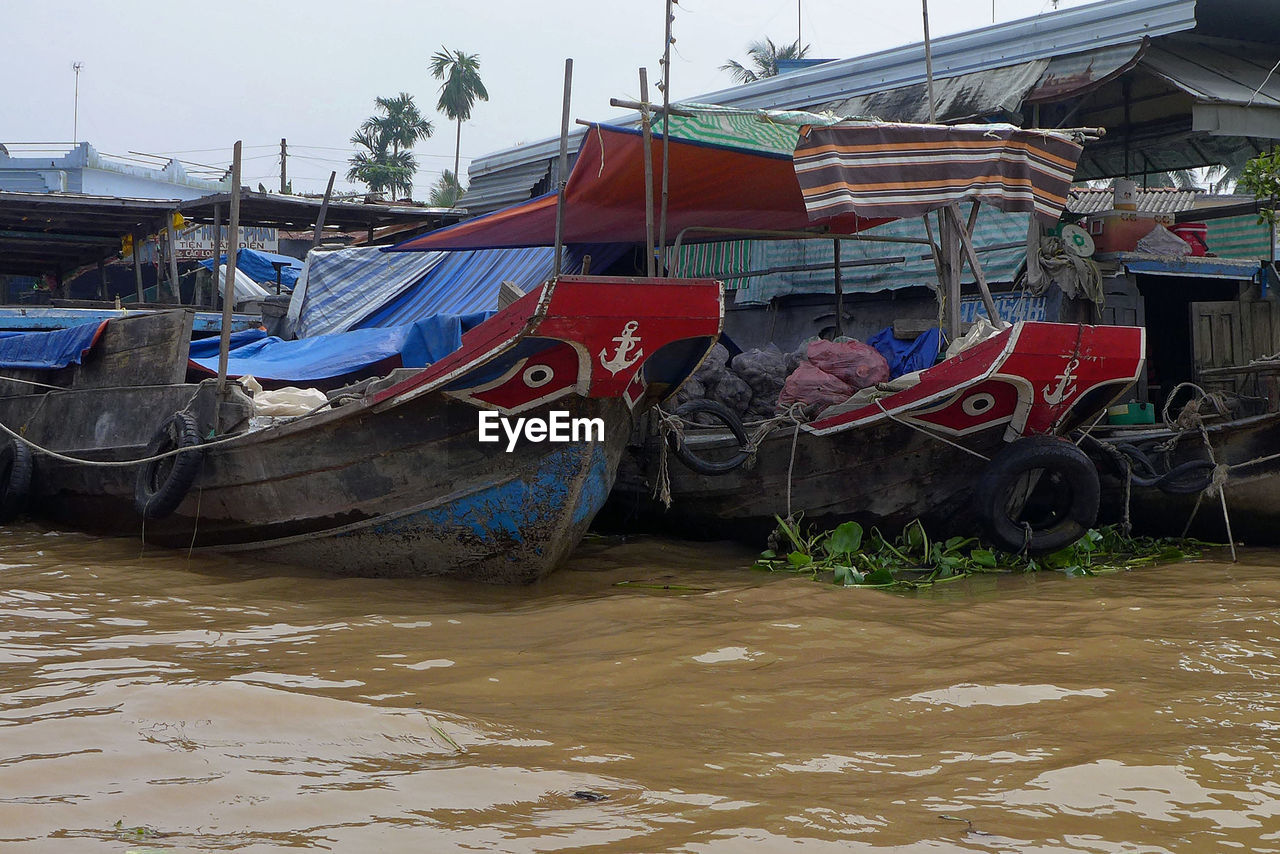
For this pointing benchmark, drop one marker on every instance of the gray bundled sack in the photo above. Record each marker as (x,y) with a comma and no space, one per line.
(714,364)
(764,371)
(733,392)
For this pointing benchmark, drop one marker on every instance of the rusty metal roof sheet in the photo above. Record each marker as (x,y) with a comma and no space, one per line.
(1077,73)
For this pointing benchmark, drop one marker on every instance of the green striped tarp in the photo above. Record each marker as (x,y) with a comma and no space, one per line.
(1238,237)
(729,260)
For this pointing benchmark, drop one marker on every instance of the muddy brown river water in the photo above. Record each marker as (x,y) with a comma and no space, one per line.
(153,702)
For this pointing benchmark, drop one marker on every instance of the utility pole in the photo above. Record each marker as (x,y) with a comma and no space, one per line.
(284,153)
(75,107)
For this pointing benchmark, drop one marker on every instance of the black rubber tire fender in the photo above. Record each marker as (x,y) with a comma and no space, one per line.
(17,468)
(1070,472)
(727,417)
(163,483)
(1187,478)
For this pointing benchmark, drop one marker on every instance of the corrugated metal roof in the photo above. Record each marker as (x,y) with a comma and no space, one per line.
(505,187)
(1054,34)
(1224,77)
(969,96)
(1066,31)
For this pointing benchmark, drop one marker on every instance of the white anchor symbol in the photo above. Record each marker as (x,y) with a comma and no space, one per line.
(1066,386)
(626,342)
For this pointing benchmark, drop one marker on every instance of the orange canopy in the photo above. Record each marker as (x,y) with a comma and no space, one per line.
(709,185)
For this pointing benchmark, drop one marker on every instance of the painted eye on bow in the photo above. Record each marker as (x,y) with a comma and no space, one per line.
(536,376)
(977,404)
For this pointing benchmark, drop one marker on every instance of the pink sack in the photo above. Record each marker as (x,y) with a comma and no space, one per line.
(856,364)
(809,384)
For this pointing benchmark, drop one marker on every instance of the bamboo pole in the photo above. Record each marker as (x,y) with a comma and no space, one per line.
(561,177)
(839,284)
(653,108)
(966,241)
(324,209)
(172,241)
(229,286)
(138,237)
(646,131)
(928,64)
(666,137)
(217,251)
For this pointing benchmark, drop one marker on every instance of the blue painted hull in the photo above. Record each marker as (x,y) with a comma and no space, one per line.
(405,492)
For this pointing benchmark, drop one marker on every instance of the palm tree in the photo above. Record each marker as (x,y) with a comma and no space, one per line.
(460,89)
(387,163)
(764,57)
(403,124)
(446,191)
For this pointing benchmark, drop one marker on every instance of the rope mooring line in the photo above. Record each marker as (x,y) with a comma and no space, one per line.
(920,429)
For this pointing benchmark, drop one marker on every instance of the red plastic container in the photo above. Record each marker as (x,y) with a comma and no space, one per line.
(1195,234)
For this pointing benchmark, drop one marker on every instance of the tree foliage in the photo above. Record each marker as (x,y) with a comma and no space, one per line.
(764,56)
(446,191)
(387,164)
(1261,176)
(460,89)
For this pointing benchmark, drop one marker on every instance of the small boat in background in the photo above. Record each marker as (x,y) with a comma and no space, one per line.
(1210,469)
(387,479)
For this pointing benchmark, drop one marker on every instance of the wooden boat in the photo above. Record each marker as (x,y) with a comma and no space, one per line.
(950,450)
(390,481)
(973,441)
(1173,480)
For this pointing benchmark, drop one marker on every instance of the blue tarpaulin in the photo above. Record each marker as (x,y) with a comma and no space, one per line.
(48,350)
(905,357)
(325,357)
(469,281)
(204,348)
(367,287)
(257,266)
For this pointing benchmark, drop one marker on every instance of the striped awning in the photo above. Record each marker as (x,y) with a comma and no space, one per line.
(901,170)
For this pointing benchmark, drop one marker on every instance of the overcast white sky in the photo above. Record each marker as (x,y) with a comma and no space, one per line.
(191,78)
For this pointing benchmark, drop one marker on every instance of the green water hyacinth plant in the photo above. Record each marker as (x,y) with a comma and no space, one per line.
(853,557)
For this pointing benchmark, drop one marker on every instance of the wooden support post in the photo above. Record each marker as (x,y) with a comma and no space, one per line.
(229,288)
(646,133)
(951,275)
(561,178)
(666,136)
(171,240)
(835,251)
(967,242)
(324,209)
(138,238)
(216,254)
(928,64)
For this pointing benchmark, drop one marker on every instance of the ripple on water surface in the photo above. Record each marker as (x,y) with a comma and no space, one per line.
(156,701)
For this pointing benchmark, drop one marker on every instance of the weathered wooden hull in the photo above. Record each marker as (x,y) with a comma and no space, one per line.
(407,492)
(884,475)
(396,480)
(915,454)
(1252,491)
